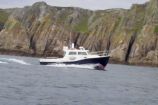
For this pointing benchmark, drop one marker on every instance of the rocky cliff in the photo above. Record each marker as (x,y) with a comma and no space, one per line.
(130,35)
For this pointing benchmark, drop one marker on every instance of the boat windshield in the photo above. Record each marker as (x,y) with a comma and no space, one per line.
(82,53)
(72,53)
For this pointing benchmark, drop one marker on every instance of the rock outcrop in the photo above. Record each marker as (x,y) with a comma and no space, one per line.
(130,35)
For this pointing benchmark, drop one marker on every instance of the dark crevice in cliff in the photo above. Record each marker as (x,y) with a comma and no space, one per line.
(156,42)
(131,42)
(1,26)
(99,44)
(108,43)
(76,40)
(33,44)
(48,43)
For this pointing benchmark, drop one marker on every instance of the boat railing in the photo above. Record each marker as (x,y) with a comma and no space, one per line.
(101,53)
(52,57)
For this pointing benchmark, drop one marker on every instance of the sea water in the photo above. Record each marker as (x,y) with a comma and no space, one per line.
(24,82)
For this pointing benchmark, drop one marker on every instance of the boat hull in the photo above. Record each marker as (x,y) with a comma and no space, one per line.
(101,62)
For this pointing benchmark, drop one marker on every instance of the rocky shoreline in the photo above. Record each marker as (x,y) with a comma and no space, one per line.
(17,53)
(133,64)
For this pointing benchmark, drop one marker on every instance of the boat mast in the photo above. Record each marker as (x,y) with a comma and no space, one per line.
(69,41)
(71,45)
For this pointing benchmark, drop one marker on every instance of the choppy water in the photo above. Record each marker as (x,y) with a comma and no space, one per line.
(24,82)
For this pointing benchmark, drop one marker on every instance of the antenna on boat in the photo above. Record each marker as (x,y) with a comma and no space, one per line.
(71,45)
(69,41)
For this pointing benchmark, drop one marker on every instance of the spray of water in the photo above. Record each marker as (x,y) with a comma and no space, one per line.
(72,66)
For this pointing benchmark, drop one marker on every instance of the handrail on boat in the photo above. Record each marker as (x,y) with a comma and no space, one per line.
(100,52)
(52,57)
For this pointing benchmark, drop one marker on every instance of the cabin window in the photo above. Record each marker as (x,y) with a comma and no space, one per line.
(64,53)
(82,53)
(72,53)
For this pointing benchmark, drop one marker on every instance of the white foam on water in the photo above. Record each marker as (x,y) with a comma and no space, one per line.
(3,62)
(15,60)
(18,61)
(72,66)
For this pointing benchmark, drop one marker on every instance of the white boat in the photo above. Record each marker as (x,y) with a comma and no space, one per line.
(79,56)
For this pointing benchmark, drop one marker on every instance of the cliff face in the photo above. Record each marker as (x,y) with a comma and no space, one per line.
(42,29)
(131,35)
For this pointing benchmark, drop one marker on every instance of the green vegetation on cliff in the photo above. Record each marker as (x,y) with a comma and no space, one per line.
(82,26)
(156,29)
(3,18)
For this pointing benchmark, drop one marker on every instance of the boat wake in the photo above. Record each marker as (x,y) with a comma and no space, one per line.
(3,62)
(72,66)
(19,61)
(13,60)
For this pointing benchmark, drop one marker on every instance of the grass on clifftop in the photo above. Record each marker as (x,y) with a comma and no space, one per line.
(3,16)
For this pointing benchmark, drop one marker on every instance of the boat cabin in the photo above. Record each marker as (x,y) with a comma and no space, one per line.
(75,52)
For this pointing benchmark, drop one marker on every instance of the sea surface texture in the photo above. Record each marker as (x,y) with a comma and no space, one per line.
(24,82)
